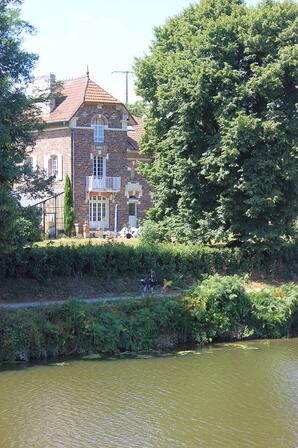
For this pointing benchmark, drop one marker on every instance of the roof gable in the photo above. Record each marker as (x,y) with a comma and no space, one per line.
(76,92)
(95,94)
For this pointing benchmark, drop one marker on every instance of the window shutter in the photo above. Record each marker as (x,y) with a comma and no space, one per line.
(34,162)
(46,164)
(60,167)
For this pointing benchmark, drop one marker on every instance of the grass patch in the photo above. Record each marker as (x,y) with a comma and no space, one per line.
(86,241)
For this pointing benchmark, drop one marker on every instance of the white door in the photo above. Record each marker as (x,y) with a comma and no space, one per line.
(132,214)
(98,212)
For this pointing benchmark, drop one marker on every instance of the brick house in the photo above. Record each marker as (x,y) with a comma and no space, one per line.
(92,137)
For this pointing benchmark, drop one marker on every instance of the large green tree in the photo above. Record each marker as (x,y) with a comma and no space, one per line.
(221,126)
(18,121)
(137,108)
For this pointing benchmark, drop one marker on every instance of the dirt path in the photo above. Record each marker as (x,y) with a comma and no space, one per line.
(87,300)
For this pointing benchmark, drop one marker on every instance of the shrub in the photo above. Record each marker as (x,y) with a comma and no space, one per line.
(220,307)
(150,233)
(27,228)
(273,311)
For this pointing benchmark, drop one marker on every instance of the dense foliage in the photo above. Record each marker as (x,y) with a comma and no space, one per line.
(221,308)
(27,229)
(68,207)
(221,125)
(274,311)
(174,262)
(18,121)
(137,108)
(217,309)
(77,328)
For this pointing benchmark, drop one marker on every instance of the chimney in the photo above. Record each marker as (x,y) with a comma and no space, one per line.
(44,85)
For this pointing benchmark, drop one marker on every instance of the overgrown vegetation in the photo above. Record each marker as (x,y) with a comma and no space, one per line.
(170,261)
(217,309)
(222,309)
(77,328)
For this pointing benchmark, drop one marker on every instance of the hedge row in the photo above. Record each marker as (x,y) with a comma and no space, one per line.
(114,260)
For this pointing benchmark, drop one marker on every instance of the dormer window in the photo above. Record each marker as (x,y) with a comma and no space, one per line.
(98,130)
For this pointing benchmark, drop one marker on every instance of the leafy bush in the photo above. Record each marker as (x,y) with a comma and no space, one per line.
(151,232)
(273,311)
(27,226)
(220,307)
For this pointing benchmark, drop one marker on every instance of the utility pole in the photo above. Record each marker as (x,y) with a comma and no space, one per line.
(126,73)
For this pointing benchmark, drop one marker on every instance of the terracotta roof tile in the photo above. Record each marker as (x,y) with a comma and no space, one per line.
(76,92)
(95,94)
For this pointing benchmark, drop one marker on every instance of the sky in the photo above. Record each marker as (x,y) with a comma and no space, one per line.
(105,35)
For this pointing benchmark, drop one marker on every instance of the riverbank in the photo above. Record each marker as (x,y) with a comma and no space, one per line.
(68,271)
(217,309)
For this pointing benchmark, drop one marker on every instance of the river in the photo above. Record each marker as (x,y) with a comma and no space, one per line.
(225,395)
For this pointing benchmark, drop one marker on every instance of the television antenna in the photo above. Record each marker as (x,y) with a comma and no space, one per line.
(126,73)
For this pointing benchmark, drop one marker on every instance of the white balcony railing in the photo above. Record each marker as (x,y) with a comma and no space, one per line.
(94,183)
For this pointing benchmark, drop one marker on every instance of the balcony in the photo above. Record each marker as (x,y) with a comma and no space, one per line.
(109,184)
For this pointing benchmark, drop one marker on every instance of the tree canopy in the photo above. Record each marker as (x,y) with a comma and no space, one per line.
(137,108)
(19,121)
(221,123)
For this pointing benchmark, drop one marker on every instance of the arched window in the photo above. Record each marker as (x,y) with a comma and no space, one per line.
(53,165)
(98,130)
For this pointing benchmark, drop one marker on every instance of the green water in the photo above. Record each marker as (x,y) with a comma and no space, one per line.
(232,395)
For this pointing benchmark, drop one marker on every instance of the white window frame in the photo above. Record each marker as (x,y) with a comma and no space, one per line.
(58,172)
(98,126)
(99,166)
(133,219)
(53,170)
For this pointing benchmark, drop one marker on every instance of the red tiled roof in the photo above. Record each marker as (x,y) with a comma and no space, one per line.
(95,94)
(135,135)
(76,92)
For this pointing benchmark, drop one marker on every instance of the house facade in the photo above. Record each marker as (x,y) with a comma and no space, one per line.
(92,137)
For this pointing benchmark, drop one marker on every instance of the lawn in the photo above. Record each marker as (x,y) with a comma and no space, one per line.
(80,241)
